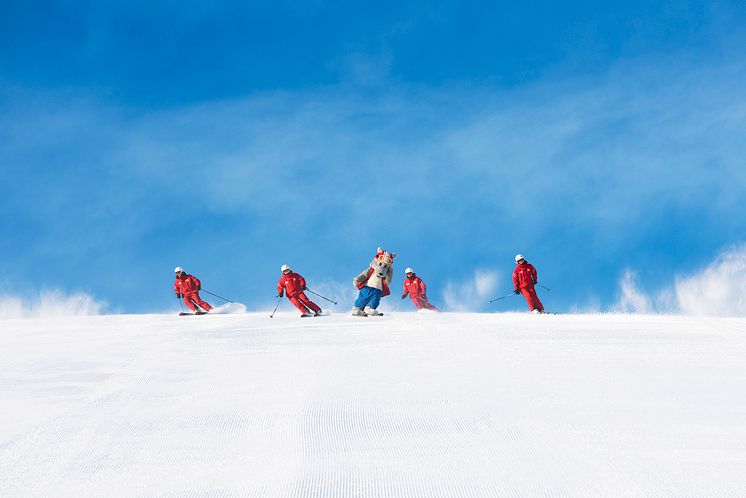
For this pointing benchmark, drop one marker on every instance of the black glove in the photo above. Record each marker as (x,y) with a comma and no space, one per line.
(517,291)
(403,296)
(199,287)
(304,288)
(424,296)
(279,295)
(178,296)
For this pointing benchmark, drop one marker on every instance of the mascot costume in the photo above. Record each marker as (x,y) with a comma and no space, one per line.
(373,283)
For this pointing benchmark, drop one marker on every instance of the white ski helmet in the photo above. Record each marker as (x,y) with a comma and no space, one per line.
(519,257)
(178,269)
(284,267)
(408,270)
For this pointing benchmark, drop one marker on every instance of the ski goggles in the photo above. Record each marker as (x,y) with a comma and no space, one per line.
(386,259)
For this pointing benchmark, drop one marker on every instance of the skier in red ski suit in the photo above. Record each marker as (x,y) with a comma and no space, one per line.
(188,286)
(293,285)
(524,279)
(415,287)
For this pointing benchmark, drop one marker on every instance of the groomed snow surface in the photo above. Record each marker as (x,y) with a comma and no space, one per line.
(411,404)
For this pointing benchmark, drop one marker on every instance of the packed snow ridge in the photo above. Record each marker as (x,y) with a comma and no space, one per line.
(408,404)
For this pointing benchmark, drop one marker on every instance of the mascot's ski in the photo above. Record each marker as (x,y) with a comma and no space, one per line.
(183,313)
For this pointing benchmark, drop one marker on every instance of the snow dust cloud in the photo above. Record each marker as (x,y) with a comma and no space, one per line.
(719,289)
(631,298)
(51,303)
(229,309)
(472,294)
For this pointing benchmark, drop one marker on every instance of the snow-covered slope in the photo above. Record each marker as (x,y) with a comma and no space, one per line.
(404,405)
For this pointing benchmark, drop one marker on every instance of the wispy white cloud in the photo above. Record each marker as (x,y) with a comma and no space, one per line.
(613,155)
(587,143)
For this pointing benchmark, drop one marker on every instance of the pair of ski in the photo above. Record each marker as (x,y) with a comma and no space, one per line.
(184,313)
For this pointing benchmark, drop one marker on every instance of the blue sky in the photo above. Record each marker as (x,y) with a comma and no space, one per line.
(233,137)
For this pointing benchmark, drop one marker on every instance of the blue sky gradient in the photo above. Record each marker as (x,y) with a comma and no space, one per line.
(233,138)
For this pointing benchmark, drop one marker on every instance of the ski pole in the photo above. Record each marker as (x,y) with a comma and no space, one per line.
(396,306)
(322,297)
(221,297)
(537,283)
(499,298)
(181,304)
(279,298)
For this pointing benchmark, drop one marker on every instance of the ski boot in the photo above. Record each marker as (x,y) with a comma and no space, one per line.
(372,312)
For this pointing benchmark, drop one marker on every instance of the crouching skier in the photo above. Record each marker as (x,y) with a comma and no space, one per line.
(524,279)
(293,285)
(417,291)
(373,283)
(188,287)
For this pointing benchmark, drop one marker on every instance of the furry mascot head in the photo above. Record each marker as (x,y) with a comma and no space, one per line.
(373,283)
(381,264)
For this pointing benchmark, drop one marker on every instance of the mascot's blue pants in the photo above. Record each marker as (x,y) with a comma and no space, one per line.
(369,296)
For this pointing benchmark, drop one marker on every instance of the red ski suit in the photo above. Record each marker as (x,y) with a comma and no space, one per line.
(293,284)
(524,279)
(415,287)
(188,286)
